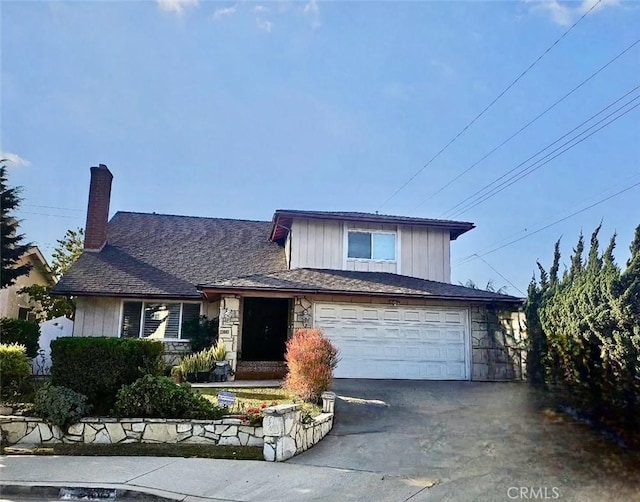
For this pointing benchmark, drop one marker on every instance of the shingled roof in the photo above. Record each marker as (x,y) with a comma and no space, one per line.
(306,280)
(282,219)
(158,255)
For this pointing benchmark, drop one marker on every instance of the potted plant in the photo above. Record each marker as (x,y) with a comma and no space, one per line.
(203,366)
(189,367)
(222,368)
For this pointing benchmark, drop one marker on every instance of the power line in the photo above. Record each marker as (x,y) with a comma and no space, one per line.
(51,215)
(470,258)
(540,115)
(531,169)
(54,207)
(487,191)
(526,229)
(498,272)
(464,129)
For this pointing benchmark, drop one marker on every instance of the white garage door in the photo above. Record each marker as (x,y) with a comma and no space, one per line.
(377,341)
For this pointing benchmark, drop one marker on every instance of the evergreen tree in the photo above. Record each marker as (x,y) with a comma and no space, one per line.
(11,242)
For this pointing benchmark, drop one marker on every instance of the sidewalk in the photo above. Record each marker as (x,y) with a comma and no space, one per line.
(200,480)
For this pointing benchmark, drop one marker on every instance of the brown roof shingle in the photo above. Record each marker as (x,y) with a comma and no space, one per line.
(166,256)
(355,283)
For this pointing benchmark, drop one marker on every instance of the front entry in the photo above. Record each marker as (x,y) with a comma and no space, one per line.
(264,328)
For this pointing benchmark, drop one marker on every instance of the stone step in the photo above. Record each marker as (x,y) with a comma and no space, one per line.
(261,370)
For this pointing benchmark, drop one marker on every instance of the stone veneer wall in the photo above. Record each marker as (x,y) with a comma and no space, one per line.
(227,431)
(284,433)
(173,352)
(497,345)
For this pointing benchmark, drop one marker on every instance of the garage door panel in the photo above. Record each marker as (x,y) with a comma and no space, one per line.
(399,342)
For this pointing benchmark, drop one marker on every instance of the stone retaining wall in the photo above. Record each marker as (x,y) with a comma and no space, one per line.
(227,431)
(282,435)
(285,435)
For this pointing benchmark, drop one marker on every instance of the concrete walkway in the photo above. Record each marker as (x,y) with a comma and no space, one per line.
(199,480)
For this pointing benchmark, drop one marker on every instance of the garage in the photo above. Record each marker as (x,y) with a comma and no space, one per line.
(397,342)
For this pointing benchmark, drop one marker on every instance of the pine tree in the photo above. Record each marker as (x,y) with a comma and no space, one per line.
(12,243)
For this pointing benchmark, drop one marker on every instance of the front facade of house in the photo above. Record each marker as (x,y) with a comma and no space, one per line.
(377,286)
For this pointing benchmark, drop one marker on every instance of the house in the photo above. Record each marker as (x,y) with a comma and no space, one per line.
(17,305)
(378,286)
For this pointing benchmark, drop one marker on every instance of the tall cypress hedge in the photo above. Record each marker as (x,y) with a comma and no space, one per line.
(98,366)
(584,330)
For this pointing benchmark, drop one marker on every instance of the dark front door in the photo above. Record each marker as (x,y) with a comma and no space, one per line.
(264,328)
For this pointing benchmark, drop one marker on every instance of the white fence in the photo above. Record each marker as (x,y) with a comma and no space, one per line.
(49,330)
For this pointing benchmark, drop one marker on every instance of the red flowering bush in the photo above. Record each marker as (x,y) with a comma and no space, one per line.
(311,359)
(253,414)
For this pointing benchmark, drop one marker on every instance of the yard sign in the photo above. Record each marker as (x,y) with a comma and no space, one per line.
(226,398)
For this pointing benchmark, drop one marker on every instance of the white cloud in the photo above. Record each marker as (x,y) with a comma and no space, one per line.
(224,12)
(311,7)
(567,13)
(312,10)
(264,25)
(14,158)
(260,9)
(177,6)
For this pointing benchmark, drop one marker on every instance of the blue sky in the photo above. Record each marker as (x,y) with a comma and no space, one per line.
(236,109)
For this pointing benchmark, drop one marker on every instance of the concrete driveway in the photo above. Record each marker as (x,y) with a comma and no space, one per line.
(472,441)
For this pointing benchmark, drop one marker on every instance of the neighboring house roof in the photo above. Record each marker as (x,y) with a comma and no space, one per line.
(282,218)
(158,255)
(306,280)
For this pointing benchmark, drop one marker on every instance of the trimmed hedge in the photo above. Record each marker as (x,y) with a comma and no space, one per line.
(98,366)
(22,332)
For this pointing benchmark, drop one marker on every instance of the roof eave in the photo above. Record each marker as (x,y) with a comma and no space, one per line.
(239,290)
(105,294)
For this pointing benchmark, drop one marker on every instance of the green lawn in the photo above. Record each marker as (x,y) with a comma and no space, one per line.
(255,397)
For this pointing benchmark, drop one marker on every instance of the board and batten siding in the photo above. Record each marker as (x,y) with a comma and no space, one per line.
(425,253)
(422,252)
(317,244)
(97,316)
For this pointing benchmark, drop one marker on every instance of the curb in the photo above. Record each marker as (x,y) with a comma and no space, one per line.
(65,492)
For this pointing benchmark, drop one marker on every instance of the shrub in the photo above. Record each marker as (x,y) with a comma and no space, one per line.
(311,359)
(201,332)
(20,331)
(161,397)
(60,406)
(14,367)
(97,367)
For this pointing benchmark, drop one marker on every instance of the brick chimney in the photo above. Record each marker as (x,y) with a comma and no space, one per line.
(95,232)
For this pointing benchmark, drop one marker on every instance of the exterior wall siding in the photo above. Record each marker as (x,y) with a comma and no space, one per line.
(97,316)
(316,244)
(425,253)
(422,252)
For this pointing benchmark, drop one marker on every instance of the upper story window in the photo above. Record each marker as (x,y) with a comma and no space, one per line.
(371,245)
(156,320)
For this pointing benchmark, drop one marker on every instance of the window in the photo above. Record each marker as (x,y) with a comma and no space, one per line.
(26,314)
(156,320)
(372,246)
